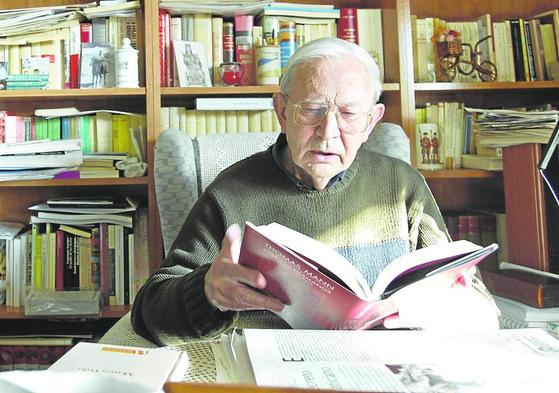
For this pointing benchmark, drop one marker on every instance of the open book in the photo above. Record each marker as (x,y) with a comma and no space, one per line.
(389,360)
(322,289)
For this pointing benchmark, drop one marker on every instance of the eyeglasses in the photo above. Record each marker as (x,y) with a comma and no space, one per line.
(350,120)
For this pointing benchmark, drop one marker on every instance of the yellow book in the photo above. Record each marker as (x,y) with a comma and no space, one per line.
(266,122)
(201,123)
(220,122)
(231,121)
(104,132)
(527,74)
(75,231)
(211,122)
(14,62)
(549,48)
(36,256)
(191,123)
(121,133)
(217,46)
(182,119)
(276,127)
(203,34)
(254,124)
(242,121)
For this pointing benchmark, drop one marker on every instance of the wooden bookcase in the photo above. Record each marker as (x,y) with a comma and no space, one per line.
(453,189)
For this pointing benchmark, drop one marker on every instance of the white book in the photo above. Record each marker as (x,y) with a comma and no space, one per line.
(148,367)
(29,161)
(234,103)
(523,312)
(77,219)
(40,146)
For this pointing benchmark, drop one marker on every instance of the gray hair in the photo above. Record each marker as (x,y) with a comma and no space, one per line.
(331,48)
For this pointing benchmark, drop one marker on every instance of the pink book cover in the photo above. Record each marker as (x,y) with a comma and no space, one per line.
(60,253)
(313,296)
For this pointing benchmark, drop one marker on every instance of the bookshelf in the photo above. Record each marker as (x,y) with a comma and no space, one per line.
(453,189)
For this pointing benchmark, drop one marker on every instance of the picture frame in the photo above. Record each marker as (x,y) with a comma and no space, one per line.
(97,69)
(191,65)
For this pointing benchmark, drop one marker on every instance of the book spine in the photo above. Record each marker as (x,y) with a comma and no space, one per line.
(287,42)
(164,38)
(244,49)
(532,294)
(347,25)
(519,70)
(228,42)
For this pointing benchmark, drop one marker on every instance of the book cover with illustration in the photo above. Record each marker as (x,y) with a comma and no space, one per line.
(323,290)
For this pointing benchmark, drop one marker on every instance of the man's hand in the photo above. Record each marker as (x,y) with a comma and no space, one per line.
(229,286)
(437,306)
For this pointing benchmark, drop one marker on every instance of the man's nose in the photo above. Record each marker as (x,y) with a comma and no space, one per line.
(329,127)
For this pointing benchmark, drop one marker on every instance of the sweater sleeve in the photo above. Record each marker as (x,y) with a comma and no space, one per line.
(172,305)
(425,221)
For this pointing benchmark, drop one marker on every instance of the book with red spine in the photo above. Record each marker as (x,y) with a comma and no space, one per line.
(244,49)
(347,25)
(164,47)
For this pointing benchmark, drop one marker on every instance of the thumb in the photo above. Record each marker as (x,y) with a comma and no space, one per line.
(231,244)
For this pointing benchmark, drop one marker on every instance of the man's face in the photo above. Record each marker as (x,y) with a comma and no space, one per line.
(318,153)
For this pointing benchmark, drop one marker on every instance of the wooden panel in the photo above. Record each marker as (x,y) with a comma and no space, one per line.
(466,193)
(471,9)
(525,206)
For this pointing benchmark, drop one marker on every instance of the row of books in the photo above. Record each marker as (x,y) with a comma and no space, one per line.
(228,39)
(451,135)
(71,247)
(481,228)
(99,130)
(65,51)
(30,357)
(523,49)
(201,122)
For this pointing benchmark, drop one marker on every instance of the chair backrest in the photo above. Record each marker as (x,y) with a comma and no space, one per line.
(184,167)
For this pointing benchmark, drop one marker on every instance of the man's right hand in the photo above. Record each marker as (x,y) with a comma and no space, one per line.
(230,286)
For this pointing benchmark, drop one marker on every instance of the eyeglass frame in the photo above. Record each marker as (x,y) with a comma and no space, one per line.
(369,114)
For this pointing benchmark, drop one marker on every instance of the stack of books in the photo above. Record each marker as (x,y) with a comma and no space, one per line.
(38,159)
(526,297)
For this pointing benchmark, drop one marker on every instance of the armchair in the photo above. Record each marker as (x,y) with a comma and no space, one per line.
(184,167)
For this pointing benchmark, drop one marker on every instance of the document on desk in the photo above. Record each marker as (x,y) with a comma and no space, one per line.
(401,361)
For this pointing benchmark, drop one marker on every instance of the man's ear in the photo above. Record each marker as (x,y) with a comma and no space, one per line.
(376,116)
(279,106)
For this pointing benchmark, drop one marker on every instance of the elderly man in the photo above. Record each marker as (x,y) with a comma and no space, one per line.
(369,207)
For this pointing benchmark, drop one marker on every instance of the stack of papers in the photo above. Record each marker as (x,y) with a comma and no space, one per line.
(506,127)
(38,159)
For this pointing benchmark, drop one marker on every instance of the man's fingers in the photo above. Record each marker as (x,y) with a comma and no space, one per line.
(246,298)
(231,244)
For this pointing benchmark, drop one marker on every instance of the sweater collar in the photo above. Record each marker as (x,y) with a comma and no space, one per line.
(277,148)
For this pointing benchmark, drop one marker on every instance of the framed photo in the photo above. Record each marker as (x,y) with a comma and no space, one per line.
(97,67)
(191,65)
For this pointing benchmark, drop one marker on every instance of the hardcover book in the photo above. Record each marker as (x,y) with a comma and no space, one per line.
(321,289)
(529,286)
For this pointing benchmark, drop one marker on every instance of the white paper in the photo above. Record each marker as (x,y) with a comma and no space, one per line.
(514,360)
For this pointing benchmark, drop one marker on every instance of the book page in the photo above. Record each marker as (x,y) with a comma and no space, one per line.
(416,361)
(320,255)
(433,256)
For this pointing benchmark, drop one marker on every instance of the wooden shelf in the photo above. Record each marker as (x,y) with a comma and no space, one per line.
(445,87)
(239,90)
(74,94)
(18,312)
(461,174)
(121,181)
